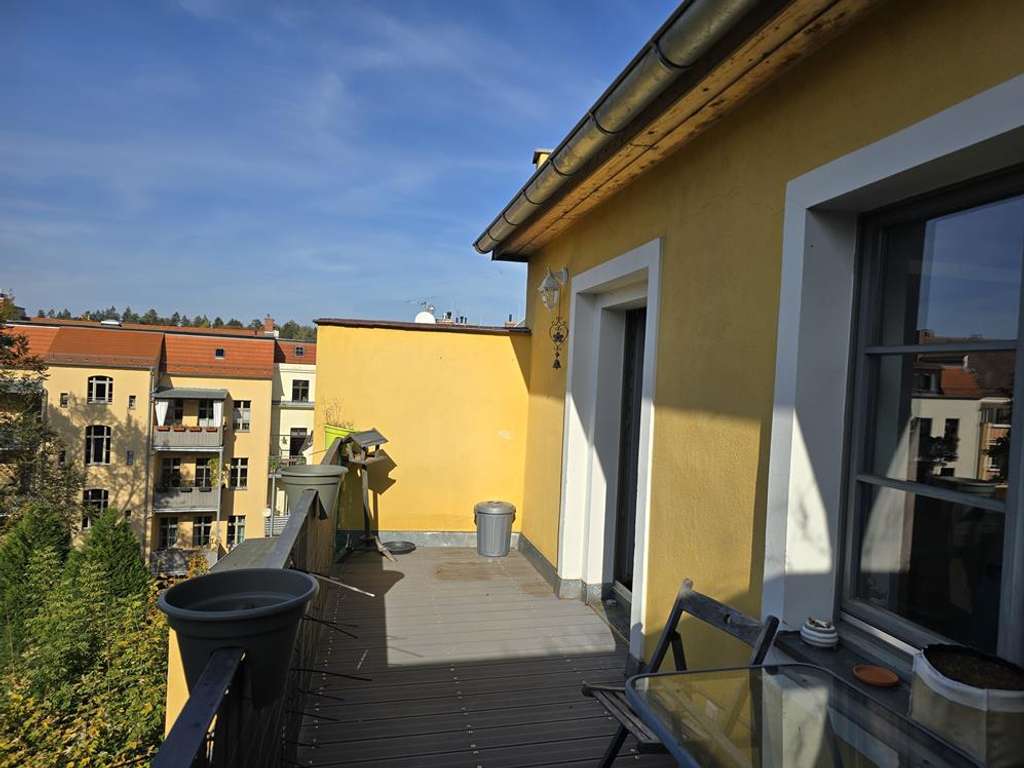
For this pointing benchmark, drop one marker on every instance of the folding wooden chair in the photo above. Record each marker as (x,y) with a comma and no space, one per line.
(750,631)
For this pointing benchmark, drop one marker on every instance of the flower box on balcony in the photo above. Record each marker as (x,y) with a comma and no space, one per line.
(211,429)
(163,429)
(195,429)
(179,428)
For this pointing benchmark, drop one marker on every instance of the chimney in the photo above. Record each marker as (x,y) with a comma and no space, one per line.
(268,327)
(540,156)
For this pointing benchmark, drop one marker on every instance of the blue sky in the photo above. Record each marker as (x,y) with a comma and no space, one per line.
(304,159)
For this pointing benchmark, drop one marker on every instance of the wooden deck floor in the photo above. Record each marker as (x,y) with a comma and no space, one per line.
(459,662)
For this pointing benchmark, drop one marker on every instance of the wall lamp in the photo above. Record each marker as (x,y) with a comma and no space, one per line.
(550,290)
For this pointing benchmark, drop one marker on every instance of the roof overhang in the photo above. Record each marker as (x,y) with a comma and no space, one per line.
(190,393)
(707,58)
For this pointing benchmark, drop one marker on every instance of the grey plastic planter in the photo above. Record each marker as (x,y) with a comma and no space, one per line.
(323,478)
(256,609)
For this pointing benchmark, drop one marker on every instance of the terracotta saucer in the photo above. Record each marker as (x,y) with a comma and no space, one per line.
(880,677)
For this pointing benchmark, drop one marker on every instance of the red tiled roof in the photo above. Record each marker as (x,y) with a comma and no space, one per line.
(241,332)
(92,346)
(39,339)
(189,355)
(284,352)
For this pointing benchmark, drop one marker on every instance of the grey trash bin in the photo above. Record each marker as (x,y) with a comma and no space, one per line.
(493,527)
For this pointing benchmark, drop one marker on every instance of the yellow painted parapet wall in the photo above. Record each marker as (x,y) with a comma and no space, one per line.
(451,401)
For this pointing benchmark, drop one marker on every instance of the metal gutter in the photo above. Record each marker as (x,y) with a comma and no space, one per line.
(693,28)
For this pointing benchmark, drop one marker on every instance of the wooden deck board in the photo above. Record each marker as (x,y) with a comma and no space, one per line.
(465,662)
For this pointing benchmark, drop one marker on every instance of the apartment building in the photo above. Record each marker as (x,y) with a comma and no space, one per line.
(291,428)
(174,427)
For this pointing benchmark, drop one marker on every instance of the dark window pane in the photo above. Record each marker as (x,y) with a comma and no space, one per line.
(935,563)
(954,277)
(943,419)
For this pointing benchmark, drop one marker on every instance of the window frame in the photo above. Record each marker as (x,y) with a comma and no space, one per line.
(236,525)
(65,399)
(170,466)
(204,412)
(866,325)
(241,415)
(105,439)
(300,351)
(202,466)
(93,383)
(93,508)
(239,470)
(203,525)
(132,400)
(164,527)
(304,385)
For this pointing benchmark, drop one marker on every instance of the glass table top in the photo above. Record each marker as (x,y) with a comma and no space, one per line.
(779,716)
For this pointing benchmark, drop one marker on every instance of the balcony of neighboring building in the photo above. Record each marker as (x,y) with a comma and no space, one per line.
(186,498)
(189,419)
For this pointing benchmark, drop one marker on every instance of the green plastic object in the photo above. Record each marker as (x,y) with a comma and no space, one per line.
(331,432)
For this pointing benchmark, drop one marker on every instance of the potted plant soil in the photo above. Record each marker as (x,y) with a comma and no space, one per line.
(972,699)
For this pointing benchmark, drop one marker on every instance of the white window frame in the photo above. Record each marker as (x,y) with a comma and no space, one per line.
(983,134)
(206,525)
(236,525)
(164,538)
(94,384)
(304,382)
(241,415)
(239,470)
(103,441)
(93,508)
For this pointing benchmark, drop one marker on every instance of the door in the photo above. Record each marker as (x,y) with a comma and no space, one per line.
(296,442)
(629,445)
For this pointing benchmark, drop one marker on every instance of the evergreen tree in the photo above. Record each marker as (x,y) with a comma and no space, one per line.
(234,323)
(113,545)
(150,317)
(218,322)
(128,316)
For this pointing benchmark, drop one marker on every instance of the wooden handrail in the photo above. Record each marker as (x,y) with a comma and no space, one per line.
(190,730)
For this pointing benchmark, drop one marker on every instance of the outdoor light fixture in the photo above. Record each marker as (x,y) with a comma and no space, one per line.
(550,290)
(551,286)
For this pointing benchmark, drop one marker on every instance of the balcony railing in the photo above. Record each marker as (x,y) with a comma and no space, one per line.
(173,561)
(218,725)
(189,437)
(184,498)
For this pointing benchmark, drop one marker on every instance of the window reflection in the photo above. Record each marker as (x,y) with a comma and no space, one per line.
(955,276)
(944,419)
(933,562)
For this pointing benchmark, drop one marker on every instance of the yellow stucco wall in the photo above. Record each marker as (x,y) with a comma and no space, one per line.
(453,406)
(129,430)
(717,204)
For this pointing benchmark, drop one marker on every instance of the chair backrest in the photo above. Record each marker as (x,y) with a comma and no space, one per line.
(719,615)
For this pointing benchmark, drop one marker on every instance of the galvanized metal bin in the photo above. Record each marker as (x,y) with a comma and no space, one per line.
(493,527)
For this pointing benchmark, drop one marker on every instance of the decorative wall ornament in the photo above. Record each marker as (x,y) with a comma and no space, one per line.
(550,290)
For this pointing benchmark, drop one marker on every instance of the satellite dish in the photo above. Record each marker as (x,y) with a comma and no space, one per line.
(425,317)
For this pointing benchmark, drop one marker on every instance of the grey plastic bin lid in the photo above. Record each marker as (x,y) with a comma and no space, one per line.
(494,508)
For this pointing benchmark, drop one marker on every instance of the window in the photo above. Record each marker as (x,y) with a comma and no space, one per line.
(300,351)
(97,444)
(236,530)
(64,398)
(177,411)
(242,415)
(129,458)
(239,477)
(62,458)
(95,502)
(127,514)
(206,413)
(204,474)
(201,530)
(168,532)
(219,353)
(300,391)
(170,473)
(101,389)
(131,402)
(930,477)
(296,441)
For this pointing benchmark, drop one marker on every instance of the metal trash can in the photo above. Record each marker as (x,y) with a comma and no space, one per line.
(493,527)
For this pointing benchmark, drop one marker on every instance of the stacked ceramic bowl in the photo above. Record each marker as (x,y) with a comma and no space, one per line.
(819,633)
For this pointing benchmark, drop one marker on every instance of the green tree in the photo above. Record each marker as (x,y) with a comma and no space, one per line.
(114,546)
(39,530)
(150,317)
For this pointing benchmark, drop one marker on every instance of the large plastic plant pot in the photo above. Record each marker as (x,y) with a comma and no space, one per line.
(325,479)
(256,609)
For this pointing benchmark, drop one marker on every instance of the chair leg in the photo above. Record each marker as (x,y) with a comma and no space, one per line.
(613,748)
